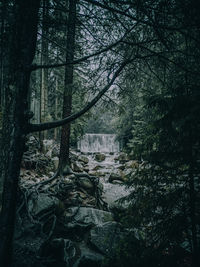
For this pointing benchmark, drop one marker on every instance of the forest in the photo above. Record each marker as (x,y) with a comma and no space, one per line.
(99,133)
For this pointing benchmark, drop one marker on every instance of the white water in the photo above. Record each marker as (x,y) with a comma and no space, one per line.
(104,143)
(98,143)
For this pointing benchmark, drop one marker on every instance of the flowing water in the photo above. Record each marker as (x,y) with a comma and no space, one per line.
(104,143)
(91,144)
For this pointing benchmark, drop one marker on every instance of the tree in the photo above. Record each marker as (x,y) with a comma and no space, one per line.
(68,86)
(22,41)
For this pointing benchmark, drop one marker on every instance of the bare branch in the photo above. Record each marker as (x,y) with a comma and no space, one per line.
(50,125)
(76,61)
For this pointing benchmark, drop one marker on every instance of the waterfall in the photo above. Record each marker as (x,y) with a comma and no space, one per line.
(98,143)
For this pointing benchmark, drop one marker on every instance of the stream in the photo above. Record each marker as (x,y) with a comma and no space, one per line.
(107,146)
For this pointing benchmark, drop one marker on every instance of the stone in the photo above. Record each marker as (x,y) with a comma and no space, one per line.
(134,164)
(121,167)
(55,161)
(55,151)
(83,159)
(122,158)
(77,167)
(89,257)
(63,251)
(116,176)
(113,192)
(100,157)
(85,183)
(107,237)
(83,217)
(96,168)
(127,173)
(86,168)
(39,204)
(47,145)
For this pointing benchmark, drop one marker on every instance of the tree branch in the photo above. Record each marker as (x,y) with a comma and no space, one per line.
(76,61)
(50,125)
(134,18)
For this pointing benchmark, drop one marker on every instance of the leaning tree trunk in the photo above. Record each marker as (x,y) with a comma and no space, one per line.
(21,47)
(67,99)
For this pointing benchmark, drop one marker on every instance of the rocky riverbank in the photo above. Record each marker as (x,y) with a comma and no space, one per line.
(68,221)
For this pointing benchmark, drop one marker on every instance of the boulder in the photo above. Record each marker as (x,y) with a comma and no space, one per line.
(55,161)
(55,151)
(39,204)
(121,167)
(100,157)
(113,192)
(97,167)
(85,183)
(86,168)
(107,237)
(83,159)
(133,164)
(97,174)
(89,257)
(83,217)
(117,175)
(122,158)
(127,173)
(77,167)
(47,145)
(63,252)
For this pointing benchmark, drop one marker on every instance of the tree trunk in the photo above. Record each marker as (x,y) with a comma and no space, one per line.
(56,110)
(44,72)
(3,51)
(21,47)
(67,99)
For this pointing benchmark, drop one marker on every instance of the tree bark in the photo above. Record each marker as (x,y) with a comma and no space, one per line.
(44,72)
(67,99)
(21,47)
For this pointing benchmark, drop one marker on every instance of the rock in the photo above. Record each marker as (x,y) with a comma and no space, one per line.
(117,182)
(113,192)
(134,164)
(121,167)
(89,257)
(100,157)
(86,168)
(85,183)
(127,173)
(97,174)
(116,176)
(107,237)
(55,161)
(55,151)
(63,251)
(83,159)
(77,167)
(67,170)
(39,204)
(49,154)
(122,158)
(73,156)
(96,168)
(47,145)
(84,217)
